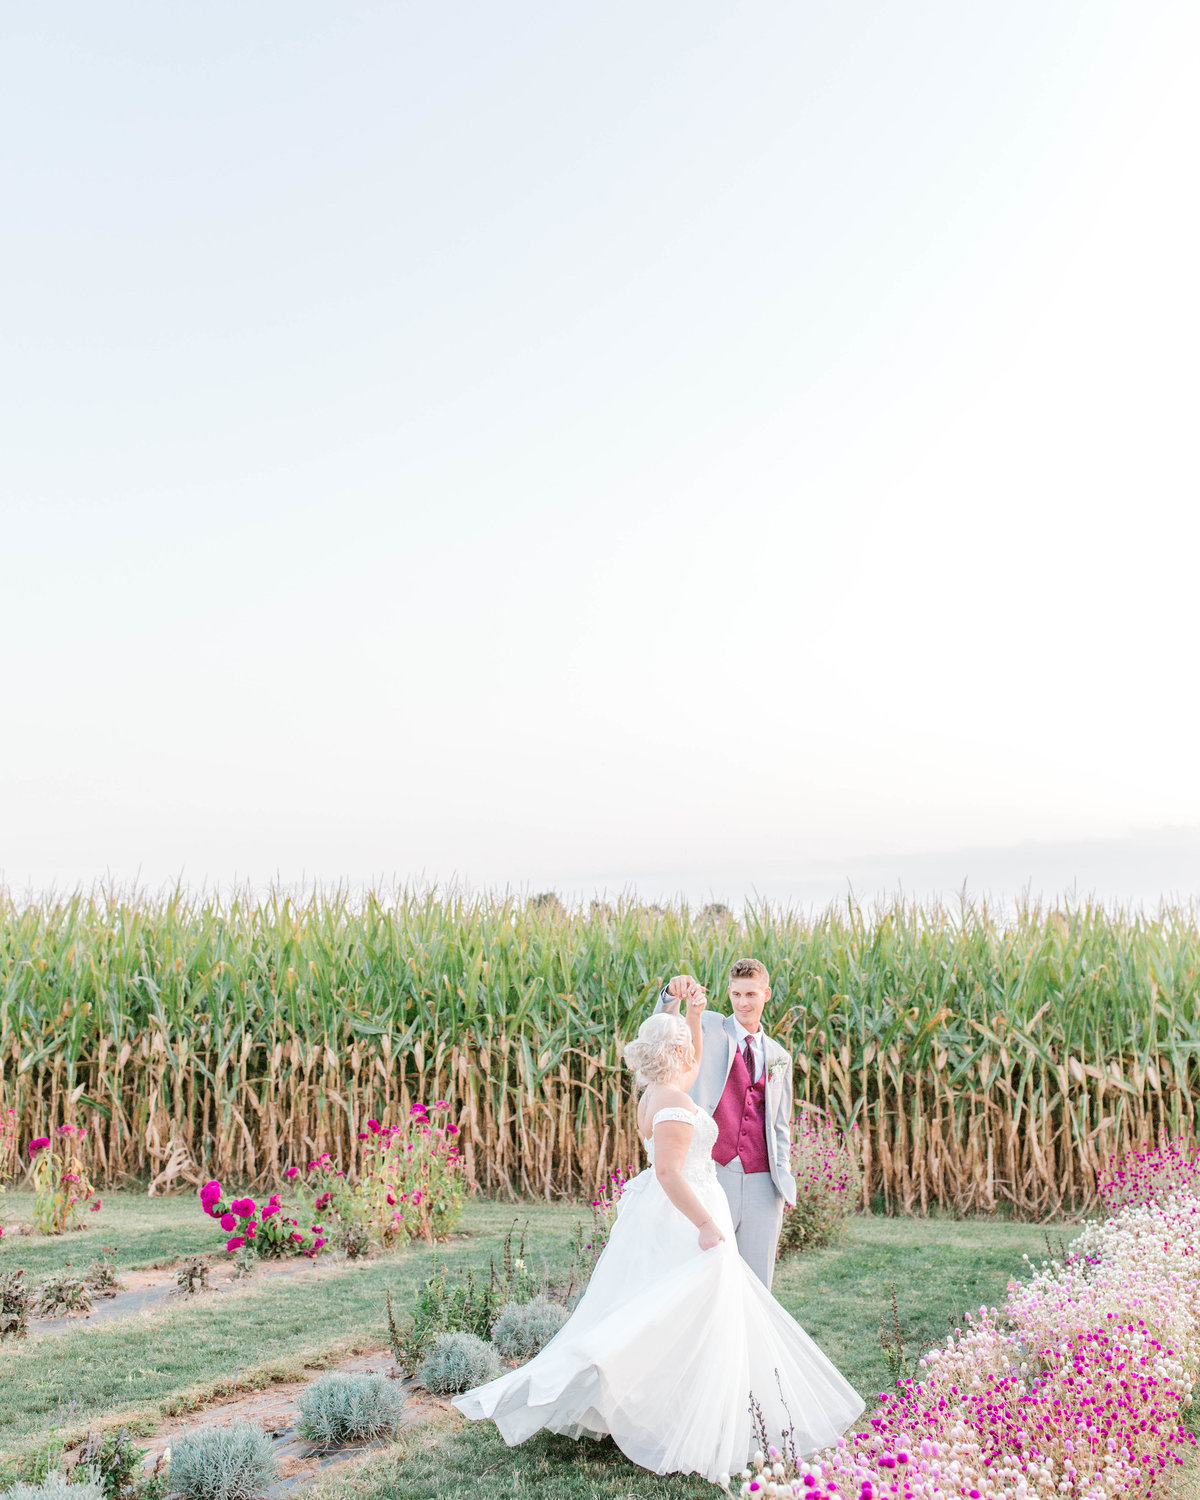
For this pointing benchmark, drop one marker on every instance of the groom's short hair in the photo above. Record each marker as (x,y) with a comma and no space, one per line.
(749,968)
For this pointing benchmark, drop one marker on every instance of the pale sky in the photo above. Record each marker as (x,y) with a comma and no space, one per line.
(671,446)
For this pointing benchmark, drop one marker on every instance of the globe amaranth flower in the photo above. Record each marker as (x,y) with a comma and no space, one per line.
(39,1143)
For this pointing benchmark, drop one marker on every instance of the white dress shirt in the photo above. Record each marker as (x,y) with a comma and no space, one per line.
(756,1047)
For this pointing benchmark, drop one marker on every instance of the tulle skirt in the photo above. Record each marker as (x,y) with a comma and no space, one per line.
(666,1348)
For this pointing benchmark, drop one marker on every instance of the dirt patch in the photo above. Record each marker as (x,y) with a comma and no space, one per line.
(276,1412)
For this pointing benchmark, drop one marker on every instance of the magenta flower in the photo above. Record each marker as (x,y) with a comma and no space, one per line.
(243,1206)
(291,1172)
(416,1198)
(317,1243)
(441,1104)
(451,1129)
(362,1135)
(235,1242)
(251,1230)
(229,1222)
(374,1126)
(418,1109)
(269,1211)
(39,1143)
(66,1130)
(95,1205)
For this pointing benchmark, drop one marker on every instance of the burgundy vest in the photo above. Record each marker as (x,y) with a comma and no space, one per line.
(741,1116)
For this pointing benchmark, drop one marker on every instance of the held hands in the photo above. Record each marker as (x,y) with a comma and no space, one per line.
(684,987)
(710,1235)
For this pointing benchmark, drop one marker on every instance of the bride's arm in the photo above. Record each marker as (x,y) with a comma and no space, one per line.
(671,1141)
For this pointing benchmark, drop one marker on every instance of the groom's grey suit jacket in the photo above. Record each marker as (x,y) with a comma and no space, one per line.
(720,1047)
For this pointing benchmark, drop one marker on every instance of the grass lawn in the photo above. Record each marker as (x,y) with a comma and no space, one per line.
(174,1357)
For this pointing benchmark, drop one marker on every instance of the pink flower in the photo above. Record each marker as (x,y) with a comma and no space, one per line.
(374,1126)
(235,1242)
(362,1135)
(95,1205)
(271,1208)
(391,1200)
(66,1130)
(441,1104)
(295,1236)
(323,1202)
(318,1229)
(317,1243)
(243,1206)
(39,1143)
(418,1109)
(416,1198)
(229,1222)
(251,1231)
(291,1172)
(451,1129)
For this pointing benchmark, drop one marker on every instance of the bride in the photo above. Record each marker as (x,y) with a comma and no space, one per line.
(674,1334)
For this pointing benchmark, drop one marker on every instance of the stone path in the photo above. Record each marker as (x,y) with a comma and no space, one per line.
(144,1289)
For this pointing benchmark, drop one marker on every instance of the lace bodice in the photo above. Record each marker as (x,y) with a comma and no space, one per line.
(698,1165)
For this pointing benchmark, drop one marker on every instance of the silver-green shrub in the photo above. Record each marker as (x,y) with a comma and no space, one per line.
(457,1362)
(222,1463)
(347,1408)
(525,1327)
(56,1486)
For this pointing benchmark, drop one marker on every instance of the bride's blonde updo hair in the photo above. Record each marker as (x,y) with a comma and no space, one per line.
(662,1048)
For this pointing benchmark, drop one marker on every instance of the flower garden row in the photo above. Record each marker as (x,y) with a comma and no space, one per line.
(1076,1387)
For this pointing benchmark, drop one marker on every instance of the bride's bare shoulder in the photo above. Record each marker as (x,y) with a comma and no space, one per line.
(667,1097)
(660,1096)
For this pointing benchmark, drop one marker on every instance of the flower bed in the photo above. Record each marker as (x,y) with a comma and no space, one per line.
(1075,1388)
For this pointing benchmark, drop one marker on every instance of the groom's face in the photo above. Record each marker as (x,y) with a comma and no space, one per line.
(748,997)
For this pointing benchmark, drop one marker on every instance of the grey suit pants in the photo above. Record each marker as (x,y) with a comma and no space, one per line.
(757,1211)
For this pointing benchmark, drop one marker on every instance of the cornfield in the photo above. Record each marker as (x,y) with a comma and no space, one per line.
(982,1062)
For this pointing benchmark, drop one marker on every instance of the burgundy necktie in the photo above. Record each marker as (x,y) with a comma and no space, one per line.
(750,1059)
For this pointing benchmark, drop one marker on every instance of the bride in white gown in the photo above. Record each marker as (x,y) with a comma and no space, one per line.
(674,1333)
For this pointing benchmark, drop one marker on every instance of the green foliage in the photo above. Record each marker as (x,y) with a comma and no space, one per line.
(348,1408)
(452,1302)
(16,1301)
(116,1462)
(523,1328)
(447,1303)
(457,1362)
(63,1291)
(236,1462)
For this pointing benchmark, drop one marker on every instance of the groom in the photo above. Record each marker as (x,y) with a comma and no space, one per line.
(745,1083)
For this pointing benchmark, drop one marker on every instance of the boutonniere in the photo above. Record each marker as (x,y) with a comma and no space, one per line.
(778,1062)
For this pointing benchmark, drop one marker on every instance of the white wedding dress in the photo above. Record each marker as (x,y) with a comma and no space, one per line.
(669,1342)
